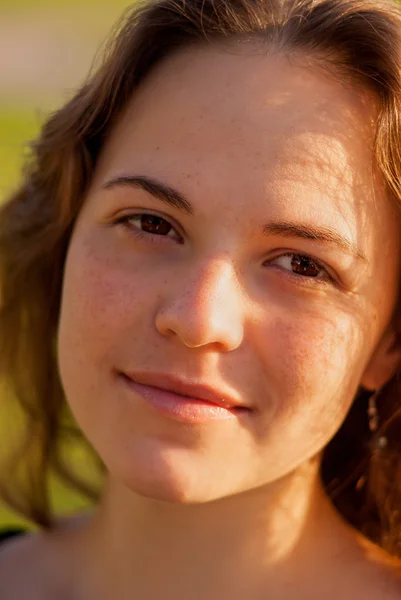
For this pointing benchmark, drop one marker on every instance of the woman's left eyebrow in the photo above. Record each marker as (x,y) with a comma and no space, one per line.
(310,231)
(174,198)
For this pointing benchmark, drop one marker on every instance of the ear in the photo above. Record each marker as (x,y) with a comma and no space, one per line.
(385,361)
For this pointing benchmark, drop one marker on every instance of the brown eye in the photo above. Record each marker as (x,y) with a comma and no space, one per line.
(149,226)
(304,265)
(154,224)
(300,265)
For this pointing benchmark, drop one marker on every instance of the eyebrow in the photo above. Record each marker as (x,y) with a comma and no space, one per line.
(158,189)
(174,198)
(308,231)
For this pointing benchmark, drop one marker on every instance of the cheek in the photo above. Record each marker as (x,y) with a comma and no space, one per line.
(104,311)
(320,344)
(313,354)
(101,300)
(313,365)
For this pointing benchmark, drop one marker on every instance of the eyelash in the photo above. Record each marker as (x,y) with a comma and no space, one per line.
(152,238)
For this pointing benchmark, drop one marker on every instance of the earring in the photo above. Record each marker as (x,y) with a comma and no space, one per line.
(377,443)
(373,416)
(372,412)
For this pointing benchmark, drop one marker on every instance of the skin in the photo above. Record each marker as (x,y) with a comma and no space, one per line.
(249,139)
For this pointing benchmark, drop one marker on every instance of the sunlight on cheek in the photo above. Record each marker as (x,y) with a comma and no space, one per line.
(316,356)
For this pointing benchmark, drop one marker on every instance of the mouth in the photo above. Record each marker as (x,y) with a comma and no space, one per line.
(182,401)
(190,388)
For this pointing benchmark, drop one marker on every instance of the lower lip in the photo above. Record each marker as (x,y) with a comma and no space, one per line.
(182,408)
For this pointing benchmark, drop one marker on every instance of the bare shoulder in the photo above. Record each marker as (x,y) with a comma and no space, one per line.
(23,566)
(381,575)
(37,565)
(385,586)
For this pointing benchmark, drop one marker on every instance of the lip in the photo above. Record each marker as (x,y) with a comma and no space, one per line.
(173,403)
(194,391)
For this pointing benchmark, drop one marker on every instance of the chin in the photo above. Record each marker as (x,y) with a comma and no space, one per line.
(172,481)
(173,490)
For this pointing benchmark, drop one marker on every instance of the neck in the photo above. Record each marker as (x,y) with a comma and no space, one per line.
(247,543)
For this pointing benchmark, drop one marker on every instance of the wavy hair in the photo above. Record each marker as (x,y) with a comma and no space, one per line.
(356,39)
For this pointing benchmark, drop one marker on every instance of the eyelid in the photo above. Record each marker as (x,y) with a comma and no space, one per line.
(125,217)
(149,211)
(293,252)
(331,276)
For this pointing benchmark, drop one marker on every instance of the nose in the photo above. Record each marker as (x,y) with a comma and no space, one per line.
(206,308)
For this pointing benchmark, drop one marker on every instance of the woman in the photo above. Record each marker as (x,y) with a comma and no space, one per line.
(201,270)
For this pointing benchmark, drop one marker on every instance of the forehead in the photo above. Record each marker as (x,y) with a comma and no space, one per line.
(238,122)
(271,112)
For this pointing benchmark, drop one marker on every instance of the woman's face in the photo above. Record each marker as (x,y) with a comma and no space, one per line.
(277,284)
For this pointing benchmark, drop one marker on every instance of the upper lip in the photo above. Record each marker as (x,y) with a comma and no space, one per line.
(194,389)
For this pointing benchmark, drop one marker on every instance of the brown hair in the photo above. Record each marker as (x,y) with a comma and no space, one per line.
(361,40)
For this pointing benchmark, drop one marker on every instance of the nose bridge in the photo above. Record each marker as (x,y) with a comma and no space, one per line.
(214,279)
(206,308)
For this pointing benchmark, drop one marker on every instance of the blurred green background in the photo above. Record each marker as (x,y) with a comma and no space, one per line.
(46,49)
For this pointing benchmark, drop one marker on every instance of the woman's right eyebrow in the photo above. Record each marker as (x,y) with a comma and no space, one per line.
(174,198)
(155,187)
